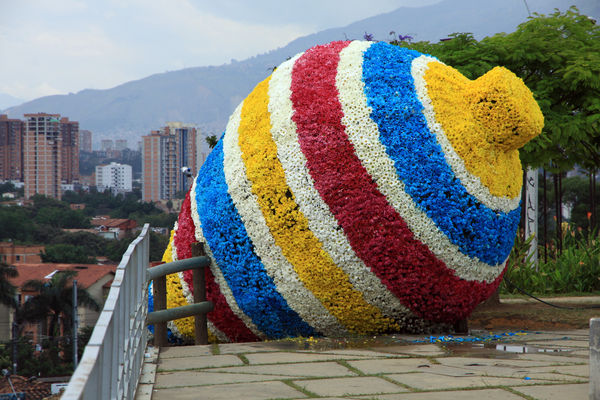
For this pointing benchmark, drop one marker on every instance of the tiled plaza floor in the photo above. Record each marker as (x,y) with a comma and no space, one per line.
(531,365)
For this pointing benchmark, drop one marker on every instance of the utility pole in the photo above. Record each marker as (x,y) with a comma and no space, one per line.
(15,332)
(75,324)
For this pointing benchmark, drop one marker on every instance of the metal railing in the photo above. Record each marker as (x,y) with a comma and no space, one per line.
(198,309)
(112,360)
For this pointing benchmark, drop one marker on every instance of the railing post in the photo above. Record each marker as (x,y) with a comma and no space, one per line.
(595,358)
(201,331)
(160,303)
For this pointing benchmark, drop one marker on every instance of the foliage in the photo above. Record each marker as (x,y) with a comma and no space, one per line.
(158,244)
(54,300)
(66,253)
(6,187)
(575,269)
(7,290)
(16,224)
(212,141)
(576,198)
(163,220)
(54,359)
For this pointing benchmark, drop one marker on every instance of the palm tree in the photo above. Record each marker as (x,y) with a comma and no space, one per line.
(55,300)
(7,290)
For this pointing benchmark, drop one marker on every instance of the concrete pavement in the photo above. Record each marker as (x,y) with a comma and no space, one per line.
(528,365)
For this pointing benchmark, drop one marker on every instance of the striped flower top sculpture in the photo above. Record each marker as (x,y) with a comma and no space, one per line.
(359,188)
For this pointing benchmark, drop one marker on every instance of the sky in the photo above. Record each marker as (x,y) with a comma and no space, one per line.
(61,46)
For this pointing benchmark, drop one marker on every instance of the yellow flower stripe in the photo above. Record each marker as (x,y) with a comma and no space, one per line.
(289,226)
(486,121)
(175,297)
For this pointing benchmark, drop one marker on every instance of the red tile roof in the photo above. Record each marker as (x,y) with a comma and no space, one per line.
(112,222)
(33,389)
(87,274)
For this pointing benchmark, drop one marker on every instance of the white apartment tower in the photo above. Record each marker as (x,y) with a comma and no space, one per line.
(114,176)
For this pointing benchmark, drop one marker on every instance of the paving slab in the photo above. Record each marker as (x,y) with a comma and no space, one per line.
(564,358)
(583,343)
(393,365)
(582,353)
(412,349)
(312,369)
(202,378)
(428,381)
(186,351)
(556,392)
(148,373)
(334,398)
(246,391)
(479,362)
(144,391)
(294,357)
(184,363)
(350,386)
(555,377)
(235,348)
(576,370)
(356,352)
(487,394)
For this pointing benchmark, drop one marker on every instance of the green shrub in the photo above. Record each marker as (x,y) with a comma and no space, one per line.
(575,269)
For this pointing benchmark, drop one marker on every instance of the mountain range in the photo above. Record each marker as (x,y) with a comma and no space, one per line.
(206,96)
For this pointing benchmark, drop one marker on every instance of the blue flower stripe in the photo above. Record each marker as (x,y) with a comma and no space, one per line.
(224,231)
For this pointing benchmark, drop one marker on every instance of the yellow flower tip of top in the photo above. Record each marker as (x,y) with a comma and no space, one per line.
(289,226)
(486,120)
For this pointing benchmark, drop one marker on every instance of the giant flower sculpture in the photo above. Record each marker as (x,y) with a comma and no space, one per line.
(360,188)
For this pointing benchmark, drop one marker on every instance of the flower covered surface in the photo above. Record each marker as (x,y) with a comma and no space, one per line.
(343,197)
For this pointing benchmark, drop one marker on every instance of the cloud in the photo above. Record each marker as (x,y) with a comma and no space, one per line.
(70,45)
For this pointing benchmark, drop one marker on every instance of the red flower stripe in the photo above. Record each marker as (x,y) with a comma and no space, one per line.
(377,233)
(224,319)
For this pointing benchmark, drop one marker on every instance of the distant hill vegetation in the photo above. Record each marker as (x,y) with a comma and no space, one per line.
(207,95)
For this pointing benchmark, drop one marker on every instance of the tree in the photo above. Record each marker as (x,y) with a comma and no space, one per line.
(212,141)
(66,253)
(55,301)
(558,58)
(7,290)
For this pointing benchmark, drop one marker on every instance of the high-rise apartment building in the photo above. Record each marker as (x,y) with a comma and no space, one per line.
(42,155)
(50,154)
(11,148)
(114,176)
(120,144)
(164,153)
(85,140)
(107,144)
(69,132)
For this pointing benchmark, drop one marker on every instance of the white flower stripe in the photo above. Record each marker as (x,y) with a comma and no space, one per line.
(216,271)
(286,280)
(321,221)
(363,133)
(472,183)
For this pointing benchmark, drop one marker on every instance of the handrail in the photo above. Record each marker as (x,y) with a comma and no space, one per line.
(112,360)
(177,266)
(161,314)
